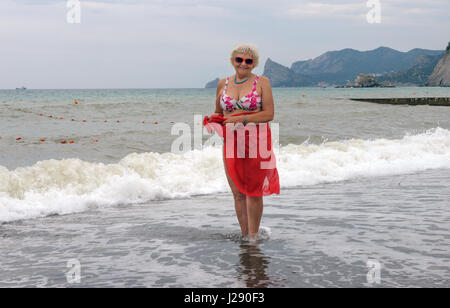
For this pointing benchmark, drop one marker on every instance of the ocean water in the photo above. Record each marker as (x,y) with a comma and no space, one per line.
(359,182)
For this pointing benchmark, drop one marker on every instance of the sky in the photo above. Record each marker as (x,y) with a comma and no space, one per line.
(186,43)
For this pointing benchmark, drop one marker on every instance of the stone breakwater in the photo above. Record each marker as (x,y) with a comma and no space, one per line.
(432,101)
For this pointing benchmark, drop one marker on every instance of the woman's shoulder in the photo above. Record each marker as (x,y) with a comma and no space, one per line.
(264,83)
(264,79)
(221,83)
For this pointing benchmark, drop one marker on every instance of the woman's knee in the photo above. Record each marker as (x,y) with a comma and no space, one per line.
(254,200)
(238,196)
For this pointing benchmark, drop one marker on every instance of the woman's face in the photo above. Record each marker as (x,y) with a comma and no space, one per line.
(243,68)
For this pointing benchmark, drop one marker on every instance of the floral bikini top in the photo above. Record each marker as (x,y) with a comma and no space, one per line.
(249,102)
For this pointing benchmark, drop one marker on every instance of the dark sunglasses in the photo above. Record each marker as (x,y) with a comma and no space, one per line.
(240,60)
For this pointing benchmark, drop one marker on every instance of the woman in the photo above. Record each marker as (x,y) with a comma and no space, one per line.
(247,98)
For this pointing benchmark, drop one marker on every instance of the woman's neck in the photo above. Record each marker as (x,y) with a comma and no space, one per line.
(242,77)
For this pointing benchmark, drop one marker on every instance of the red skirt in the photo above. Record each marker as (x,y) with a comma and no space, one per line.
(248,156)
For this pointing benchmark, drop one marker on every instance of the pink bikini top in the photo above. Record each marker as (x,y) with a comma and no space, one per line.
(249,102)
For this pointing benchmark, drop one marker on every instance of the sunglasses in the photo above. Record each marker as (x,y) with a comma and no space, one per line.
(240,60)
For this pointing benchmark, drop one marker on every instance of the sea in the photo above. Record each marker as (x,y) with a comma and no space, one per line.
(97,190)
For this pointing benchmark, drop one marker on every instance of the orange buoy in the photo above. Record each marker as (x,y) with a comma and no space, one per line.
(303,95)
(50,116)
(63,141)
(18,138)
(95,140)
(84,121)
(42,140)
(71,141)
(73,119)
(60,118)
(76,102)
(105,121)
(298,123)
(41,114)
(156,122)
(118,121)
(172,122)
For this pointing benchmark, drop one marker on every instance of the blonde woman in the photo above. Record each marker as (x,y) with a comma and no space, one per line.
(247,98)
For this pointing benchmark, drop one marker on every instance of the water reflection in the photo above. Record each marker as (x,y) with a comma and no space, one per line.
(253,266)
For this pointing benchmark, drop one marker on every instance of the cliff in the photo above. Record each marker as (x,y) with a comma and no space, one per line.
(282,76)
(441,74)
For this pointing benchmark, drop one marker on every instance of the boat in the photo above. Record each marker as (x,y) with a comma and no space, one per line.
(22,88)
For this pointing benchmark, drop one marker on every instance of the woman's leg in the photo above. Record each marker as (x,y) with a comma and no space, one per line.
(241,212)
(240,204)
(254,213)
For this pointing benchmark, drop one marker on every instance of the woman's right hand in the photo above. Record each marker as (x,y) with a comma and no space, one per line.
(212,115)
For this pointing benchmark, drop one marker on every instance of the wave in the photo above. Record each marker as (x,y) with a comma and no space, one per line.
(71,185)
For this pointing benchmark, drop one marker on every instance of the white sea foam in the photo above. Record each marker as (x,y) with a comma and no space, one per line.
(71,185)
(265,232)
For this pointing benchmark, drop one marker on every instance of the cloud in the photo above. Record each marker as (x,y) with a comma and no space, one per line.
(185,43)
(399,12)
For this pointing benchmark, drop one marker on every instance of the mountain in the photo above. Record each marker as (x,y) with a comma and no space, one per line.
(441,73)
(213,83)
(282,76)
(340,66)
(416,74)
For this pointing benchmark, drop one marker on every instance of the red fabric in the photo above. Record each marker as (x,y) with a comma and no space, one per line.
(253,175)
(214,124)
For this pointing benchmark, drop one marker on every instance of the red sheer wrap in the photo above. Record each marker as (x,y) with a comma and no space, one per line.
(249,157)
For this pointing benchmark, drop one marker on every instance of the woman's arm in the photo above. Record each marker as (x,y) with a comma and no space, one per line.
(218,109)
(220,86)
(267,113)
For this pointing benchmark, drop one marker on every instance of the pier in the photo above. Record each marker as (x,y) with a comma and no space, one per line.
(432,101)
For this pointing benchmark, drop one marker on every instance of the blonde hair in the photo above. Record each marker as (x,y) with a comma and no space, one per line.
(245,49)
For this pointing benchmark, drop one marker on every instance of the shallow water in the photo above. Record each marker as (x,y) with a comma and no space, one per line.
(321,236)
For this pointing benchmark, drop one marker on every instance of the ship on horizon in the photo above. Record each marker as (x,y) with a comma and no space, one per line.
(22,88)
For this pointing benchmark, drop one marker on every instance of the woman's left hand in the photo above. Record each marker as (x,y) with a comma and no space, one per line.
(238,119)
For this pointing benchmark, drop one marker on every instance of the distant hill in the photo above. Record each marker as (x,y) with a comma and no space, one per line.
(348,63)
(416,74)
(340,67)
(213,83)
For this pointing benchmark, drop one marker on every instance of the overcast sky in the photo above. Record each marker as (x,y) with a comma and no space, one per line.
(186,43)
